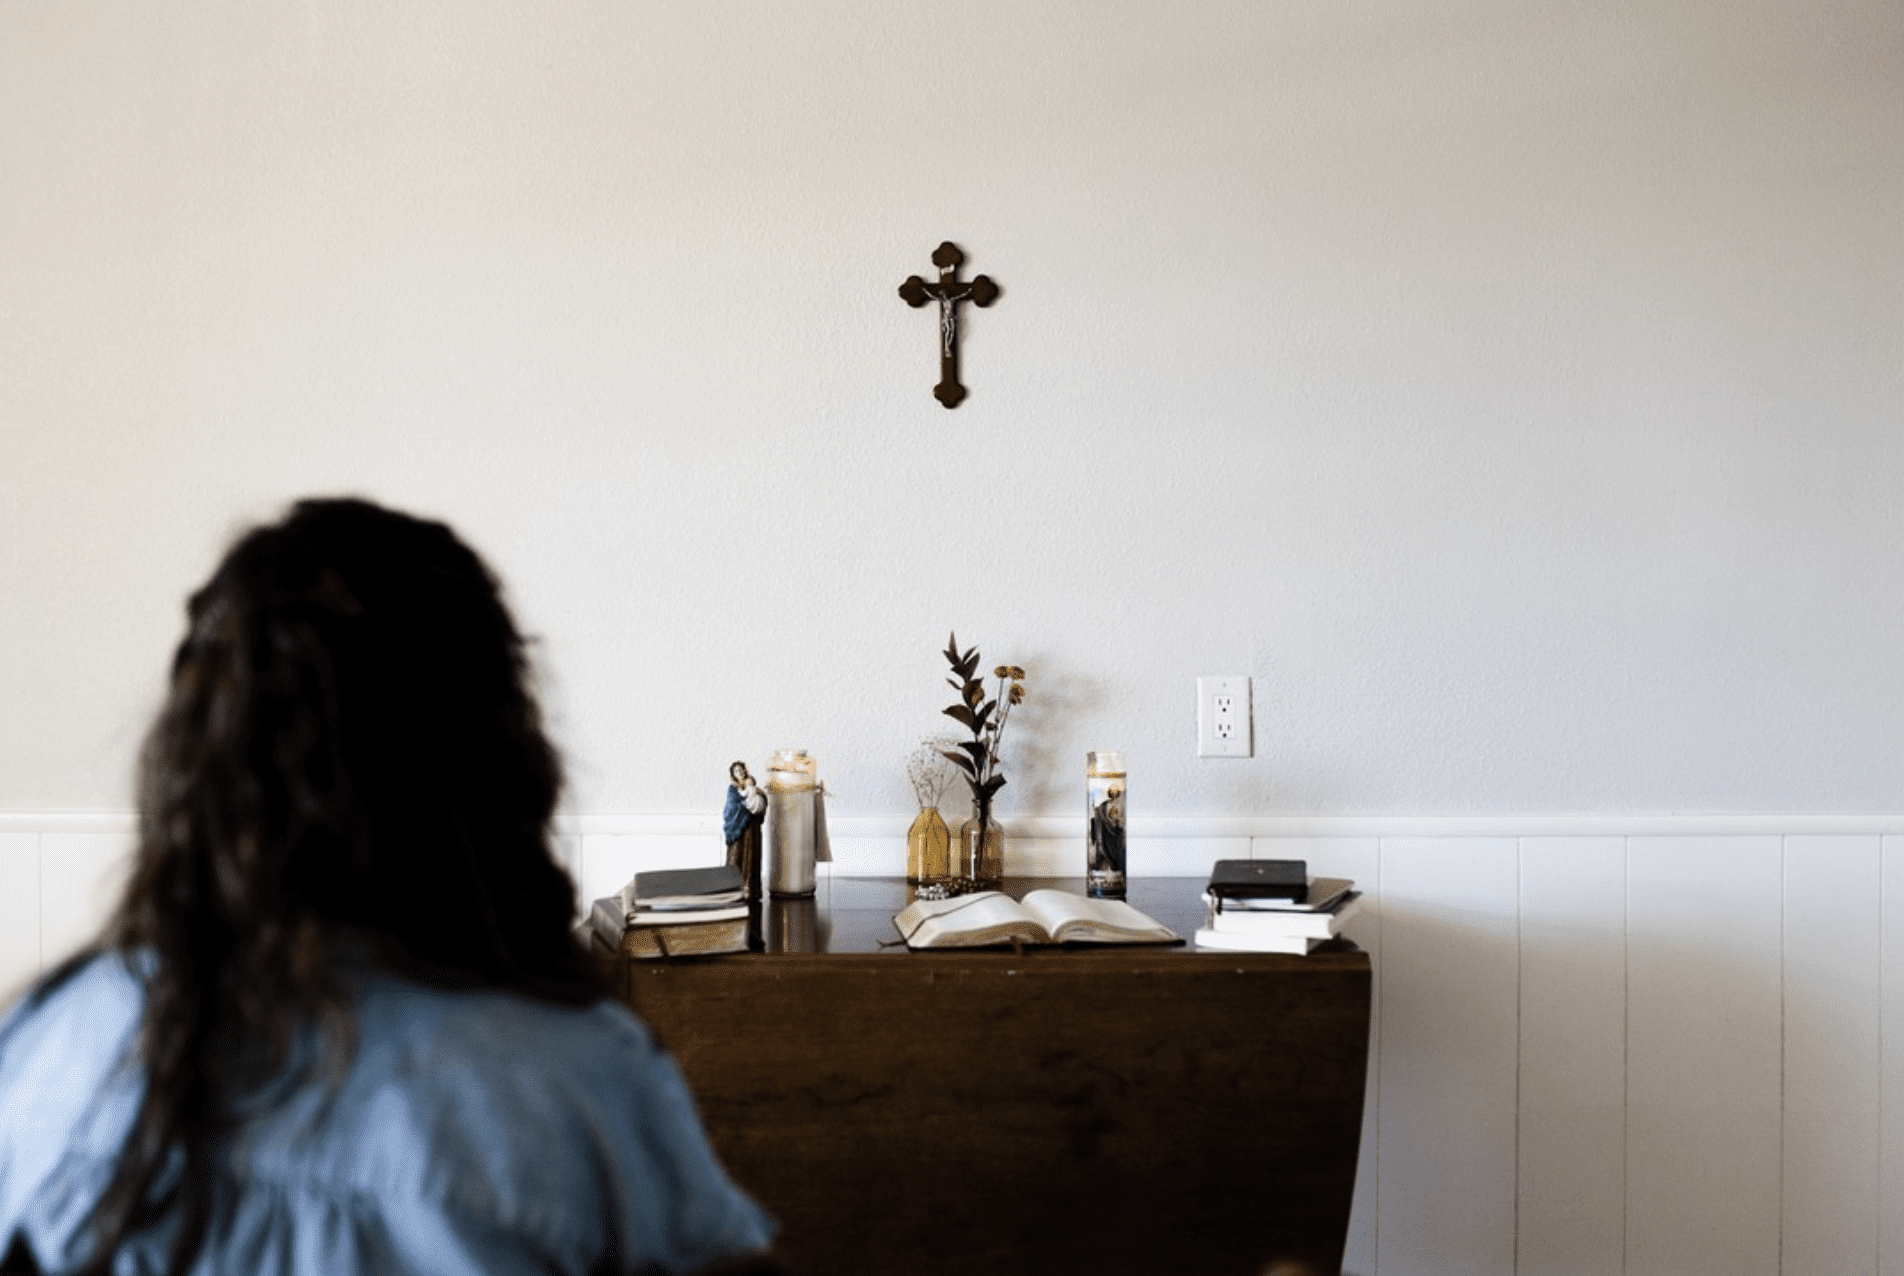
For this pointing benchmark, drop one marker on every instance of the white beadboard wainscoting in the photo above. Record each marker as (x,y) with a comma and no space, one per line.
(1656,1045)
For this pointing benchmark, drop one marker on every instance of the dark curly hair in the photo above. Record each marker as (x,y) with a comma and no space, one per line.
(350,758)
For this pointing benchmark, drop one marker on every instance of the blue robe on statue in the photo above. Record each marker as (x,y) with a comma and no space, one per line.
(734,816)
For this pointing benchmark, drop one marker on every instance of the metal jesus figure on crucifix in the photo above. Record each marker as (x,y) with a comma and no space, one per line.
(949,292)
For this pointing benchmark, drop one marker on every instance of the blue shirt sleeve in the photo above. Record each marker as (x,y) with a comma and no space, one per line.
(471,1132)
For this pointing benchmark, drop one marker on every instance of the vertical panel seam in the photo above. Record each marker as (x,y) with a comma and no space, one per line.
(1885,922)
(1626,1048)
(1784,994)
(1374,1106)
(1520,1021)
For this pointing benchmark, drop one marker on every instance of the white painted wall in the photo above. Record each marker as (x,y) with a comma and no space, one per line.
(1512,391)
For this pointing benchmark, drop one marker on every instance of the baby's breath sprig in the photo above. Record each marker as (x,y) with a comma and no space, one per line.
(926,768)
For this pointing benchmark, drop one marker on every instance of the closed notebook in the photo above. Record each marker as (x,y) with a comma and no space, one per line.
(1260,879)
(668,888)
(1324,893)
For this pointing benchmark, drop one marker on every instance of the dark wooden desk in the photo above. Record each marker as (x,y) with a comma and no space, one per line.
(1102,1110)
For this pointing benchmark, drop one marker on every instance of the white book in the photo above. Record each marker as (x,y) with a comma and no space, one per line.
(1229,941)
(685,916)
(1042,917)
(1323,925)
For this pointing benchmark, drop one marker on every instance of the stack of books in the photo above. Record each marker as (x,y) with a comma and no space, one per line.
(1274,906)
(674,913)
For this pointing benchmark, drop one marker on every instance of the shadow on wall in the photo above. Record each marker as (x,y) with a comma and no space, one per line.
(1044,779)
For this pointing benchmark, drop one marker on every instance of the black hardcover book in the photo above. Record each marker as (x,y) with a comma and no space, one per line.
(689,887)
(1324,894)
(1260,879)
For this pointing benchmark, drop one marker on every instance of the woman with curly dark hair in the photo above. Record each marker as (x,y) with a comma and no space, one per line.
(338,1022)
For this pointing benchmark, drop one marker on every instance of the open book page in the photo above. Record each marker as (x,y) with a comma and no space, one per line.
(1045,917)
(968,921)
(1072,919)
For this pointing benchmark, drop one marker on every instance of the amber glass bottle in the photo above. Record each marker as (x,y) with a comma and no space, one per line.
(928,848)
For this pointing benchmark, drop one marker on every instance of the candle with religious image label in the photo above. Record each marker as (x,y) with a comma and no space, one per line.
(1104,803)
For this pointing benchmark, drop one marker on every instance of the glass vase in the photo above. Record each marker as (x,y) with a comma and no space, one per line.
(928,848)
(982,863)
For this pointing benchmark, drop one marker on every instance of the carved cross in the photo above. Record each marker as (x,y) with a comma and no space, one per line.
(949,292)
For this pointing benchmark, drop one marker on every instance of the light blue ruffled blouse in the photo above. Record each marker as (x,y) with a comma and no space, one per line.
(473,1132)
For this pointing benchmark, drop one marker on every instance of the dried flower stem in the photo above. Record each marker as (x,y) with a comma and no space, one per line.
(927,770)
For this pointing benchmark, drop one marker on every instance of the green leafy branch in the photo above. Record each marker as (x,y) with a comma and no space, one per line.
(985,718)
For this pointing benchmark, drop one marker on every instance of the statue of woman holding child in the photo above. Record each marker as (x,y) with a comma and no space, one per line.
(745,811)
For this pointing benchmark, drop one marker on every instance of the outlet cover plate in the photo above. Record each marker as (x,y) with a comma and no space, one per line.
(1223,717)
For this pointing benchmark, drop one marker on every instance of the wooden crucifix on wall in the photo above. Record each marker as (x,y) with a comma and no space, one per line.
(949,292)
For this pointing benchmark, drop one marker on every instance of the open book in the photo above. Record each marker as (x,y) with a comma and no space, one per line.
(1043,917)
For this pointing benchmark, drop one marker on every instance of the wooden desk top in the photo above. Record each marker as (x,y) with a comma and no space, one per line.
(854,915)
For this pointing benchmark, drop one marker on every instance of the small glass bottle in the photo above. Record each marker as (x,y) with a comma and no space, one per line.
(928,849)
(1104,824)
(979,861)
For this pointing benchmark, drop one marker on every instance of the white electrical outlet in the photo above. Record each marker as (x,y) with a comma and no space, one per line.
(1223,717)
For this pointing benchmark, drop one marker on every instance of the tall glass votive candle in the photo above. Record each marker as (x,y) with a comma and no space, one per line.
(1104,803)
